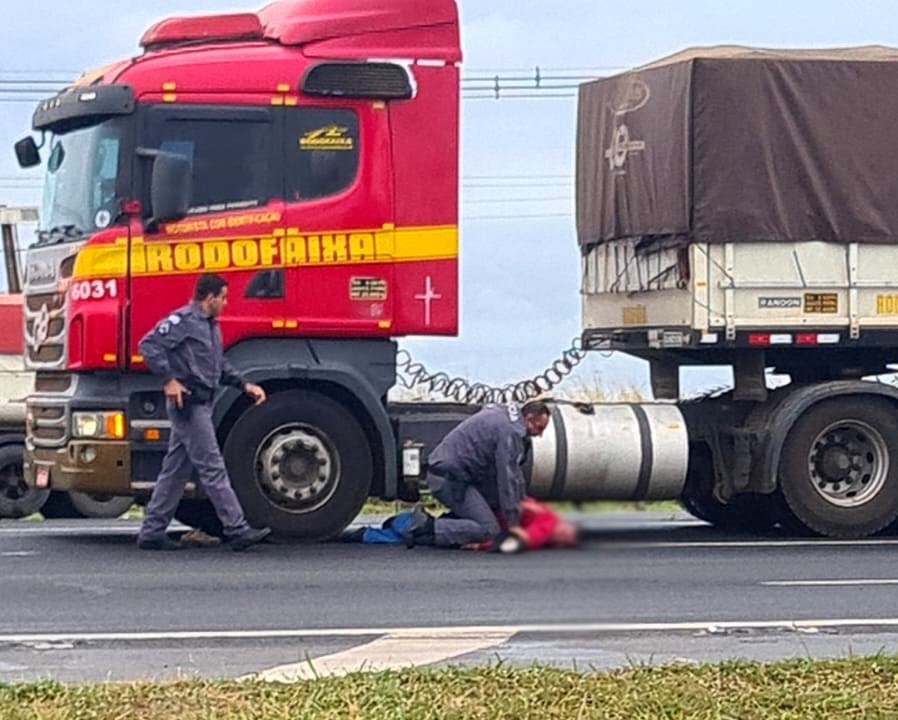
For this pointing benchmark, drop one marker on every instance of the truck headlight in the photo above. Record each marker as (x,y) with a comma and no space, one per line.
(106,425)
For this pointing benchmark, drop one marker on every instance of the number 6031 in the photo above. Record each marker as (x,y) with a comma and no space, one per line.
(93,289)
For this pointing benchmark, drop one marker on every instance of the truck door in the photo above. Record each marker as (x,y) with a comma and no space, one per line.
(339,214)
(234,227)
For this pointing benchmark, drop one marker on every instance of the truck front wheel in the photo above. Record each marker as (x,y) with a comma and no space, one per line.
(301,464)
(839,467)
(73,504)
(17,500)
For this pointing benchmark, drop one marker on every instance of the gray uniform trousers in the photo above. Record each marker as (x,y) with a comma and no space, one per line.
(192,444)
(474,519)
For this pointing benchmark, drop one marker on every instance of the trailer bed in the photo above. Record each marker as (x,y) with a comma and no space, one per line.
(708,295)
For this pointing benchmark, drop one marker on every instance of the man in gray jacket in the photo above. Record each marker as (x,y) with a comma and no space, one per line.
(185,350)
(476,471)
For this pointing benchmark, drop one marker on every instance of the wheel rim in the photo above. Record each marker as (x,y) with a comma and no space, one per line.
(12,482)
(298,468)
(848,463)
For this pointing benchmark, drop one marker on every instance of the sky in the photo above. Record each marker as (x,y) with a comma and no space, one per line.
(520,267)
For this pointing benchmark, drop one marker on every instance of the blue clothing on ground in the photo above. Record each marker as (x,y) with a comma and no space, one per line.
(390,533)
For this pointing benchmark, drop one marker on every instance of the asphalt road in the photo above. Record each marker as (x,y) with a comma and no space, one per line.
(79,602)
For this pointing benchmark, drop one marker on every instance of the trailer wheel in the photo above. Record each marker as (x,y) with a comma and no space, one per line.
(16,498)
(301,464)
(839,467)
(744,513)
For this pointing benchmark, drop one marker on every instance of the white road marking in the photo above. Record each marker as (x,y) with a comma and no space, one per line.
(18,553)
(825,583)
(391,652)
(86,530)
(460,631)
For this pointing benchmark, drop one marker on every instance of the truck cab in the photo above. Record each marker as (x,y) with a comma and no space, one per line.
(309,155)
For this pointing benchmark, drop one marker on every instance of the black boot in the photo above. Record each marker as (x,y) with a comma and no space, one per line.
(420,530)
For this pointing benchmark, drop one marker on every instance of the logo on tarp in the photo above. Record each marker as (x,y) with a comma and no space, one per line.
(622,146)
(629,96)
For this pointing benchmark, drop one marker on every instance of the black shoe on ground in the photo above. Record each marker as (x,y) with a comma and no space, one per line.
(355,535)
(420,530)
(163,544)
(248,538)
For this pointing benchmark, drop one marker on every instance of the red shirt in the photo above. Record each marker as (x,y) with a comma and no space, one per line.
(537,520)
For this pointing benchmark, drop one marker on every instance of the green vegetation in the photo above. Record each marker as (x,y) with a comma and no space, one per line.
(385,507)
(861,688)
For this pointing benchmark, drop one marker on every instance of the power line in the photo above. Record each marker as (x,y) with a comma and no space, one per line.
(518,185)
(505,201)
(20,81)
(515,175)
(600,69)
(510,218)
(510,84)
(527,96)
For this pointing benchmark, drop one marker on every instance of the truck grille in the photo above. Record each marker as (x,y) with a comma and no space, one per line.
(44,330)
(52,382)
(48,424)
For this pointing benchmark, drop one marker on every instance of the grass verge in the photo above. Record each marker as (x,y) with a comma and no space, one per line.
(386,507)
(857,687)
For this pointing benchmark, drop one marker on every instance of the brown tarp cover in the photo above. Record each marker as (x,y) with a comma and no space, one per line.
(732,144)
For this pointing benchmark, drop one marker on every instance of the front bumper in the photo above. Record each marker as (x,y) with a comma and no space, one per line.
(67,468)
(55,459)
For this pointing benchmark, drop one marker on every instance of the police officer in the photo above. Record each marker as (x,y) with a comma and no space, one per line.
(475,471)
(185,349)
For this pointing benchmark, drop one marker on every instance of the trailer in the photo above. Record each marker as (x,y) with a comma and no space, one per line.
(734,208)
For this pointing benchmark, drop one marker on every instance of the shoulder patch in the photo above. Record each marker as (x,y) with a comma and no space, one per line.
(174,318)
(164,328)
(514,413)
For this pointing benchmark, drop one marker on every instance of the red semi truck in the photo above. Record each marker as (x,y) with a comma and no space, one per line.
(17,499)
(309,152)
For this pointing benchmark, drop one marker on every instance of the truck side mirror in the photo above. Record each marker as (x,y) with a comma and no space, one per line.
(171,187)
(27,153)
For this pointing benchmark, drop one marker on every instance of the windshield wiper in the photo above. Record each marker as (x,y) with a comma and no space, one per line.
(59,233)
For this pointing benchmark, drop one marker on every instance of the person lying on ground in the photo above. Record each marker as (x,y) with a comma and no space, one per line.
(540,527)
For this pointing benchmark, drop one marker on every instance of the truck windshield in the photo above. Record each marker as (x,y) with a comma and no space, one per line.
(80,188)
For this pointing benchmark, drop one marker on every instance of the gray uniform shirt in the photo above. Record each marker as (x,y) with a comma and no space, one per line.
(489,448)
(186,345)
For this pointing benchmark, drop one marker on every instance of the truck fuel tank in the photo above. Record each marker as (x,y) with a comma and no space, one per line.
(611,452)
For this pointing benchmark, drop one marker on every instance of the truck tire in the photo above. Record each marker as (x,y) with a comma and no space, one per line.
(300,464)
(200,515)
(839,467)
(59,507)
(78,505)
(100,505)
(744,513)
(17,500)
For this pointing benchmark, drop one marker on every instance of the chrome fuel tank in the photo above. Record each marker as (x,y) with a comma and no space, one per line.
(611,452)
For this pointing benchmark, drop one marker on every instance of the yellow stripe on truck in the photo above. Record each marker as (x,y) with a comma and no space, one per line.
(281,249)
